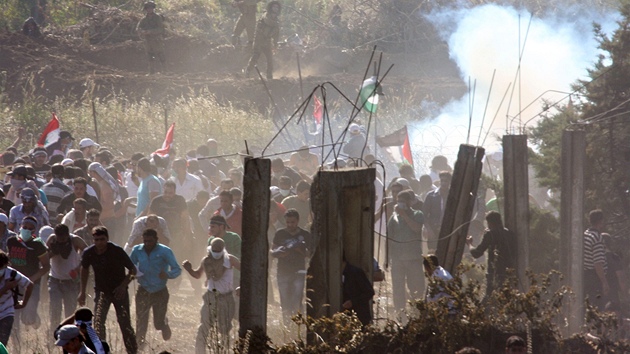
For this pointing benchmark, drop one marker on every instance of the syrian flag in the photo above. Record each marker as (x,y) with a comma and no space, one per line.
(397,145)
(168,142)
(369,94)
(51,133)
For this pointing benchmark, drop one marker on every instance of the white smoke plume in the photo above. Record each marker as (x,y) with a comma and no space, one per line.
(555,52)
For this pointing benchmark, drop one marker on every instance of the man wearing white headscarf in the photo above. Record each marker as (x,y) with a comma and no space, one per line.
(110,194)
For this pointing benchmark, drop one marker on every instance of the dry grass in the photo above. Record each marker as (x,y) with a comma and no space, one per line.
(183,316)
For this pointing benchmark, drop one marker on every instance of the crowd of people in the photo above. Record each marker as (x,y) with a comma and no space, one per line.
(85,225)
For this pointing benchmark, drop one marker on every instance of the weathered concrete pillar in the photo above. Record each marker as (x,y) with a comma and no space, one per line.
(255,246)
(571,223)
(343,222)
(516,196)
(459,206)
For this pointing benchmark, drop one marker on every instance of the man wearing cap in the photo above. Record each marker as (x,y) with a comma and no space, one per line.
(218,229)
(30,206)
(19,180)
(405,244)
(151,28)
(55,190)
(40,156)
(61,146)
(69,338)
(29,255)
(11,281)
(113,271)
(88,147)
(5,233)
(354,146)
(218,302)
(82,318)
(156,264)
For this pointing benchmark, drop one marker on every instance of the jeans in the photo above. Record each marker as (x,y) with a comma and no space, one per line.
(102,303)
(291,290)
(217,313)
(145,301)
(28,315)
(61,291)
(5,329)
(406,274)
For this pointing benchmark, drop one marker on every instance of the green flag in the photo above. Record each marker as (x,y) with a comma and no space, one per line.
(369,94)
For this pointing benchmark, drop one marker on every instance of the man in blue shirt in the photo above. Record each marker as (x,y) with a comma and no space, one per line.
(156,264)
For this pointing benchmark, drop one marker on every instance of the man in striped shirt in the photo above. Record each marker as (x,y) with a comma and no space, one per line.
(595,284)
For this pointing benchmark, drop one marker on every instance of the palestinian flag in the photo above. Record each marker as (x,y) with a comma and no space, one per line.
(397,145)
(369,94)
(168,142)
(51,133)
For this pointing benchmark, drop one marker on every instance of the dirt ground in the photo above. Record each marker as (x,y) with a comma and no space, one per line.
(61,66)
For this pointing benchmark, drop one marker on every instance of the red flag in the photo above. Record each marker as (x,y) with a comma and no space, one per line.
(406,150)
(168,142)
(51,133)
(399,141)
(318,110)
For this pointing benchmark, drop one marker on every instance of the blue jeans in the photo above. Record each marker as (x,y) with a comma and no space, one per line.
(61,292)
(291,289)
(5,329)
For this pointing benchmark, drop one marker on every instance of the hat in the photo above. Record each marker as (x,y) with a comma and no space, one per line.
(27,194)
(219,220)
(40,153)
(64,134)
(403,182)
(66,162)
(515,341)
(18,170)
(149,4)
(66,334)
(87,142)
(4,219)
(45,232)
(354,128)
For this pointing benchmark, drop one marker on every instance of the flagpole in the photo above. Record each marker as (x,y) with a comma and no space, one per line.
(95,121)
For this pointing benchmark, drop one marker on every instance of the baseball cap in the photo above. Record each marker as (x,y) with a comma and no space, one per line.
(87,142)
(18,170)
(66,162)
(65,134)
(66,334)
(219,220)
(354,128)
(4,219)
(27,194)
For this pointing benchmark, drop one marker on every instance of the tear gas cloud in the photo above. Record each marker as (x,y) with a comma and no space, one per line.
(556,51)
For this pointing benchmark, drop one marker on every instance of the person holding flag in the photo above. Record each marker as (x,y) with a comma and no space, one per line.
(56,141)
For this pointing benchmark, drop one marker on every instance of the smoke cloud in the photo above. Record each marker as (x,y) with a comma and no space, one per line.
(555,51)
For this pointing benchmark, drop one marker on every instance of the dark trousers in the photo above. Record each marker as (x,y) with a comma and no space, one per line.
(145,301)
(102,303)
(593,289)
(5,329)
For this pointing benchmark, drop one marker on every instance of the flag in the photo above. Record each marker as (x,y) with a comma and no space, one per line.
(168,142)
(51,133)
(318,110)
(369,94)
(397,145)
